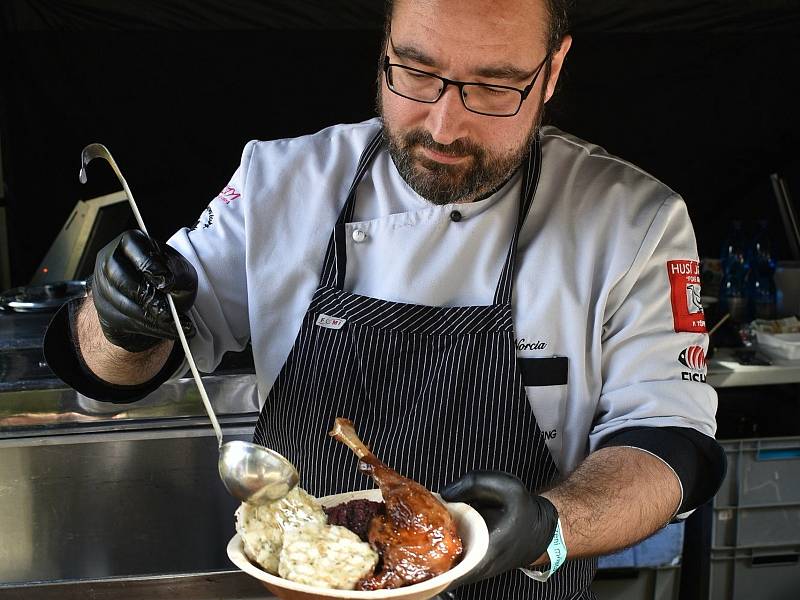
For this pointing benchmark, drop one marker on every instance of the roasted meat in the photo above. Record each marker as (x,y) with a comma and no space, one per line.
(416,536)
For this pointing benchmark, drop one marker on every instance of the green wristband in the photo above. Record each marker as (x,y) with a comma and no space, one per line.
(557,551)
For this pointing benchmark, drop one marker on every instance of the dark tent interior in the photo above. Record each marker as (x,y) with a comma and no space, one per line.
(700,94)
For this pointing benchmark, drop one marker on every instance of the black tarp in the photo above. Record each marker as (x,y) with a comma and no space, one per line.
(701,94)
(614,16)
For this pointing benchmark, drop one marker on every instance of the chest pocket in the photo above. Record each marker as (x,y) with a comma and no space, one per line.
(540,372)
(545,381)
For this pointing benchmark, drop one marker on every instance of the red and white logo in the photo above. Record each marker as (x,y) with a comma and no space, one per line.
(684,283)
(693,357)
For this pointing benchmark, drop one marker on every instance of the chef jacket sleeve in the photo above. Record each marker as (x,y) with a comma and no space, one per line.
(215,246)
(697,459)
(654,396)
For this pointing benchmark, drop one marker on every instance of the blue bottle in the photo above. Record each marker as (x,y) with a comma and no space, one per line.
(733,295)
(761,289)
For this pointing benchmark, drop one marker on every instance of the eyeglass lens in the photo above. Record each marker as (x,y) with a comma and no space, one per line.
(477,97)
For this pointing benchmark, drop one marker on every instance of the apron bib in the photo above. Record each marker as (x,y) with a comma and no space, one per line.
(433,391)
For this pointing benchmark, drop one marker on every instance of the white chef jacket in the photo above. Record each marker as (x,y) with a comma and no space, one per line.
(591,281)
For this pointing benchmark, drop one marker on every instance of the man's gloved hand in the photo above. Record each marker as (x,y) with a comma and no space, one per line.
(521,525)
(132,276)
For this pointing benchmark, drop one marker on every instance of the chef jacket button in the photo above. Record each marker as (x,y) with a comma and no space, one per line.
(455,216)
(359,236)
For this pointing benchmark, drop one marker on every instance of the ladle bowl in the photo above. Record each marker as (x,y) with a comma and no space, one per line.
(255,474)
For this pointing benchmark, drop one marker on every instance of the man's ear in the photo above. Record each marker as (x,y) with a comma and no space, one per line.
(556,63)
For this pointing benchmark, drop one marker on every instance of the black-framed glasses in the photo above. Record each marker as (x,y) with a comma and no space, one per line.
(480,98)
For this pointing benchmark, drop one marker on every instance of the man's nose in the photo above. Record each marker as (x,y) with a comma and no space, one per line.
(447,118)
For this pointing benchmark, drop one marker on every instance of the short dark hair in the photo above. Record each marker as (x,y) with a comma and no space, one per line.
(557,12)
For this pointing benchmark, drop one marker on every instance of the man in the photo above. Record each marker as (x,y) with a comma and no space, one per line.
(382,275)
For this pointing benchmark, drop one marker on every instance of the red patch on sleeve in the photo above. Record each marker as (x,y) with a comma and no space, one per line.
(684,283)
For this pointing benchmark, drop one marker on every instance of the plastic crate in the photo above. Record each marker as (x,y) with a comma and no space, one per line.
(755,573)
(661,583)
(663,548)
(758,505)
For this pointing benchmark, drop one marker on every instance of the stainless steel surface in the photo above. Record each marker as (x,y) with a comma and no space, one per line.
(274,476)
(200,586)
(47,297)
(22,330)
(725,371)
(255,474)
(134,502)
(60,409)
(22,364)
(25,369)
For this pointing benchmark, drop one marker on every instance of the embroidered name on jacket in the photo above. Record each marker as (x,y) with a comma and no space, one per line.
(523,344)
(684,283)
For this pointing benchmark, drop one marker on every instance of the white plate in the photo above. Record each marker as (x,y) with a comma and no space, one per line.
(471,528)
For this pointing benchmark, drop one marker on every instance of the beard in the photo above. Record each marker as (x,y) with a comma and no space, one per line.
(481,173)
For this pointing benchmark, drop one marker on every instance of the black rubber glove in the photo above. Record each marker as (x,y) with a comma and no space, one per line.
(132,276)
(520,524)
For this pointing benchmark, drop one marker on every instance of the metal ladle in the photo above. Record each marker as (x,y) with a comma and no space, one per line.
(250,472)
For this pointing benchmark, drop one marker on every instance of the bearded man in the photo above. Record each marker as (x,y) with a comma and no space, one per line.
(499,306)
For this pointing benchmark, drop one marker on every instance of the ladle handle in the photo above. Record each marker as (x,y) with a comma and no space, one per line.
(193,367)
(100,151)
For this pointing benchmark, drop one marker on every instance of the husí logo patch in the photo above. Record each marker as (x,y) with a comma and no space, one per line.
(330,322)
(687,309)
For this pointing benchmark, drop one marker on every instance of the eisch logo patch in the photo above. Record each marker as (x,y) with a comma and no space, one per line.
(684,283)
(694,359)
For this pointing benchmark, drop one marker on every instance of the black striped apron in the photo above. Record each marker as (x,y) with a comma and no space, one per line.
(434,391)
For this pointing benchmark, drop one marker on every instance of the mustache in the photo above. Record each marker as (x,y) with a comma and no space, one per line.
(460,147)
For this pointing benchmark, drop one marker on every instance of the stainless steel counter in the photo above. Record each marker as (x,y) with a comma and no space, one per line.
(58,409)
(725,371)
(207,586)
(91,491)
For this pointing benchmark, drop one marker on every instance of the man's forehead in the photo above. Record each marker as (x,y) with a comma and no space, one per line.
(490,28)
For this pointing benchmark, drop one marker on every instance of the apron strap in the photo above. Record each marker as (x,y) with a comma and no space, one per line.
(333,269)
(531,170)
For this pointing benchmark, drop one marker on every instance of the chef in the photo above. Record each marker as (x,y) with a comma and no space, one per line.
(500,307)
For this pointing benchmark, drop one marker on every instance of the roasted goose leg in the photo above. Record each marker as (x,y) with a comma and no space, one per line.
(416,536)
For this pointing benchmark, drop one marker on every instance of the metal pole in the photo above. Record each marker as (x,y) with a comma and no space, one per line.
(788,213)
(5,263)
